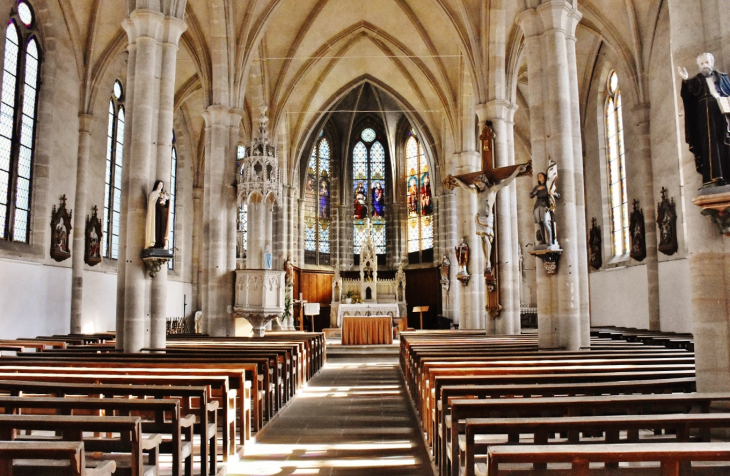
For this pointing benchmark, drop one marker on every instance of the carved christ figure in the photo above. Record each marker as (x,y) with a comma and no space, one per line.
(485,222)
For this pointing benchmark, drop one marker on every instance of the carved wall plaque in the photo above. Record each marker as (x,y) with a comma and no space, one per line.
(637,233)
(93,235)
(595,252)
(61,231)
(666,218)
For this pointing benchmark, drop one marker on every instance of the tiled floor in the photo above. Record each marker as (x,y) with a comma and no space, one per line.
(353,419)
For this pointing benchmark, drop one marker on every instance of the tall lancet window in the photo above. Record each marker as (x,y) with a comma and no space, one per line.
(242,225)
(368,174)
(317,216)
(615,152)
(21,68)
(114,162)
(418,196)
(173,194)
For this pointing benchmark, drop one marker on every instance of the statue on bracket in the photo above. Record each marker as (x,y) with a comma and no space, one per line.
(61,231)
(666,218)
(445,268)
(462,259)
(595,253)
(706,98)
(545,194)
(637,233)
(157,231)
(92,248)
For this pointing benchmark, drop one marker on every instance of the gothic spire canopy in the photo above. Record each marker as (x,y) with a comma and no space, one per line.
(259,170)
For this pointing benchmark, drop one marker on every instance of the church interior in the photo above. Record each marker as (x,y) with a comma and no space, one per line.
(408,237)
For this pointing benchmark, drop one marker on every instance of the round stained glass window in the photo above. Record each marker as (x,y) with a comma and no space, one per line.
(613,82)
(25,13)
(368,135)
(118,90)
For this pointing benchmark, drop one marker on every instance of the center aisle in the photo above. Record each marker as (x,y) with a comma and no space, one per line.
(353,419)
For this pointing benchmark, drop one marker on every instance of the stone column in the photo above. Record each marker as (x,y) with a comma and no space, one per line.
(641,155)
(173,29)
(219,198)
(559,297)
(448,238)
(79,241)
(696,27)
(145,30)
(516,277)
(300,213)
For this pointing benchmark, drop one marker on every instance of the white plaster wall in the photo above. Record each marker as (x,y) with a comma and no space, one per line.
(675,296)
(100,300)
(176,292)
(619,297)
(34,299)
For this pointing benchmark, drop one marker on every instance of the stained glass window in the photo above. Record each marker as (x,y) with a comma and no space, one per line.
(368,176)
(418,197)
(114,162)
(317,213)
(18,108)
(173,193)
(242,225)
(615,153)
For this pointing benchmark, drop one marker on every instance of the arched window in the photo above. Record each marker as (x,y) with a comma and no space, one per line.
(615,153)
(113,187)
(21,68)
(173,193)
(317,222)
(418,196)
(368,176)
(242,225)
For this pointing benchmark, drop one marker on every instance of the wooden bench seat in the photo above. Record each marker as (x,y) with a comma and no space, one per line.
(49,458)
(193,399)
(579,457)
(75,428)
(160,417)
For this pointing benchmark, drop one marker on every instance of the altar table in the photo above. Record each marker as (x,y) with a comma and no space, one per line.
(365,309)
(367,330)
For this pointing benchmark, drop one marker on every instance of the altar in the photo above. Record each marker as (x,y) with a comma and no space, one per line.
(365,309)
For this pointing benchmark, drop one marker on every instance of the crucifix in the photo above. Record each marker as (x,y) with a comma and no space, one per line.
(488,181)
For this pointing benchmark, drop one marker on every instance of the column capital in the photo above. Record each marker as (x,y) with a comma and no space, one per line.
(85,122)
(558,15)
(218,115)
(144,23)
(530,23)
(174,28)
(497,109)
(641,113)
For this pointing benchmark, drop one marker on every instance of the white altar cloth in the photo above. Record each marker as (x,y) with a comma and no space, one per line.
(366,309)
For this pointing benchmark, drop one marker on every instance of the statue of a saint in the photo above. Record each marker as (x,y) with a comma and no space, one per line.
(544,210)
(485,223)
(706,99)
(157,230)
(462,256)
(445,266)
(267,257)
(289,272)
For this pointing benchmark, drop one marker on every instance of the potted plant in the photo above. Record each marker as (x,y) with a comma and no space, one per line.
(348,296)
(287,309)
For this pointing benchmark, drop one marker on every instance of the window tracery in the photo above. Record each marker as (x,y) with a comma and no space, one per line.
(615,154)
(368,176)
(418,196)
(317,196)
(114,163)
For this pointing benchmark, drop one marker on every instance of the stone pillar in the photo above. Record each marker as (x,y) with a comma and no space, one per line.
(696,27)
(145,30)
(516,277)
(448,238)
(300,231)
(173,30)
(546,35)
(219,198)
(641,155)
(79,242)
(256,232)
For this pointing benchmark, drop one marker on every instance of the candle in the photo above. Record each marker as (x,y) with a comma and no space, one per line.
(300,296)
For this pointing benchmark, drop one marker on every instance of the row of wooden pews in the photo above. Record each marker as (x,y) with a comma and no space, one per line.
(184,399)
(497,405)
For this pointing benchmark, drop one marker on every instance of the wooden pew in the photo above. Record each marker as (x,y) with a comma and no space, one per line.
(189,396)
(161,417)
(73,428)
(19,458)
(443,420)
(469,416)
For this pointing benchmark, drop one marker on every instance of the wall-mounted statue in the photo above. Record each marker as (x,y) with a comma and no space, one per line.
(595,253)
(462,260)
(445,267)
(93,235)
(545,194)
(61,231)
(289,272)
(485,223)
(637,233)
(157,231)
(666,218)
(706,99)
